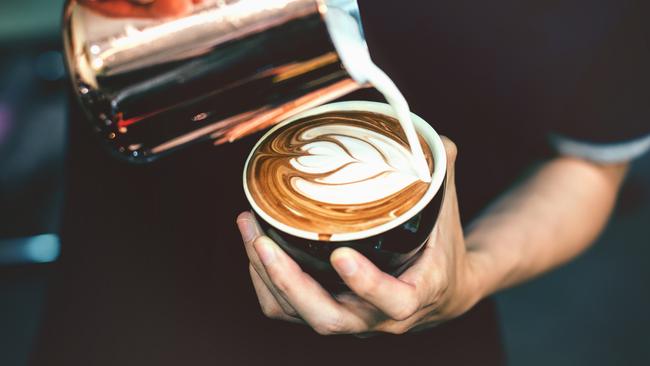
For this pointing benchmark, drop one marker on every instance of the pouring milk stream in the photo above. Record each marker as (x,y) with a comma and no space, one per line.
(349,41)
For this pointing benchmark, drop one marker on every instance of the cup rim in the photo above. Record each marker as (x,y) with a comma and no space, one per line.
(423,128)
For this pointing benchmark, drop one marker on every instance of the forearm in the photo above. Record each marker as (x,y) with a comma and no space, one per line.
(549,219)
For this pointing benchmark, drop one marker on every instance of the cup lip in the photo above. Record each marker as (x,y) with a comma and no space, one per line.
(423,128)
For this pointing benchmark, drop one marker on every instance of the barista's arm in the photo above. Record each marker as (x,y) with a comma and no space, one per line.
(546,221)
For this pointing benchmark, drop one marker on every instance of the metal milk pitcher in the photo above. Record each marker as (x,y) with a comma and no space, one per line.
(153,79)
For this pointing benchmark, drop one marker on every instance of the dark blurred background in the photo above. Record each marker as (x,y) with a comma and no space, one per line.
(590,312)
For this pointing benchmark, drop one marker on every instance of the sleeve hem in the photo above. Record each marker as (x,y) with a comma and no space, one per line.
(607,153)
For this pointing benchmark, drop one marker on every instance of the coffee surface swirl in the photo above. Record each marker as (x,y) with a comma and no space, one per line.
(336,172)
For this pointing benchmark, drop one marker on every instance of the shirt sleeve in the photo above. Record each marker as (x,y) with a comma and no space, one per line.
(605,153)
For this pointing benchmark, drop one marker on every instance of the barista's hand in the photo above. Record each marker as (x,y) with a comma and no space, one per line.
(442,284)
(141,8)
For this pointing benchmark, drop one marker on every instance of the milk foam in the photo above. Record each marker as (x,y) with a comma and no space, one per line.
(352,165)
(336,173)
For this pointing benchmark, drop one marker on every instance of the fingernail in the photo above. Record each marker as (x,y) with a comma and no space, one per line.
(247,229)
(345,263)
(265,251)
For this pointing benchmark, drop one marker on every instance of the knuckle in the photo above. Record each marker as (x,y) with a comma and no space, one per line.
(397,329)
(282,286)
(278,280)
(331,326)
(272,311)
(406,311)
(450,148)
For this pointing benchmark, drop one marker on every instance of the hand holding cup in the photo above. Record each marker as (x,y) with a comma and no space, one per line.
(441,284)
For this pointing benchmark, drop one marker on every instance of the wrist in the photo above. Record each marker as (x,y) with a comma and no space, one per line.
(483,282)
(491,271)
(472,284)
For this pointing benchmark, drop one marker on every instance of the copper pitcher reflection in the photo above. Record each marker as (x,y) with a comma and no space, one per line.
(154,76)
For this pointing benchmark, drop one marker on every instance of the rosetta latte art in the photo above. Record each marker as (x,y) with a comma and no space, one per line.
(336,172)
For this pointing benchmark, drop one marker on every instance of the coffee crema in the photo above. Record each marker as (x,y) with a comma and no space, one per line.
(336,172)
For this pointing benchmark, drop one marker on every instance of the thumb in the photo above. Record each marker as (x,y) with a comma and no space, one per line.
(450,209)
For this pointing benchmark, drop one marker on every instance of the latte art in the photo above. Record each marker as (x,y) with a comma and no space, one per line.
(336,172)
(349,165)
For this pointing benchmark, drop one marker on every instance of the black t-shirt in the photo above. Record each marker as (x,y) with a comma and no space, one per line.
(153,271)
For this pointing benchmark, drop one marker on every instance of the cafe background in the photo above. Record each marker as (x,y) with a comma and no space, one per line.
(590,312)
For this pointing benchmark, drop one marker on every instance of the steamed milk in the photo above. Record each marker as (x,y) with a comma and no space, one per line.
(336,172)
(354,165)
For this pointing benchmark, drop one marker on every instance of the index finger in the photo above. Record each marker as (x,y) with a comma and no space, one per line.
(397,299)
(312,302)
(251,231)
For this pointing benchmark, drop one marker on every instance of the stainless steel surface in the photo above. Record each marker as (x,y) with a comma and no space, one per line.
(218,71)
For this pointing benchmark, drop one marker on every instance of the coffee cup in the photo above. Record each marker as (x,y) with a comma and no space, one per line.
(391,246)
